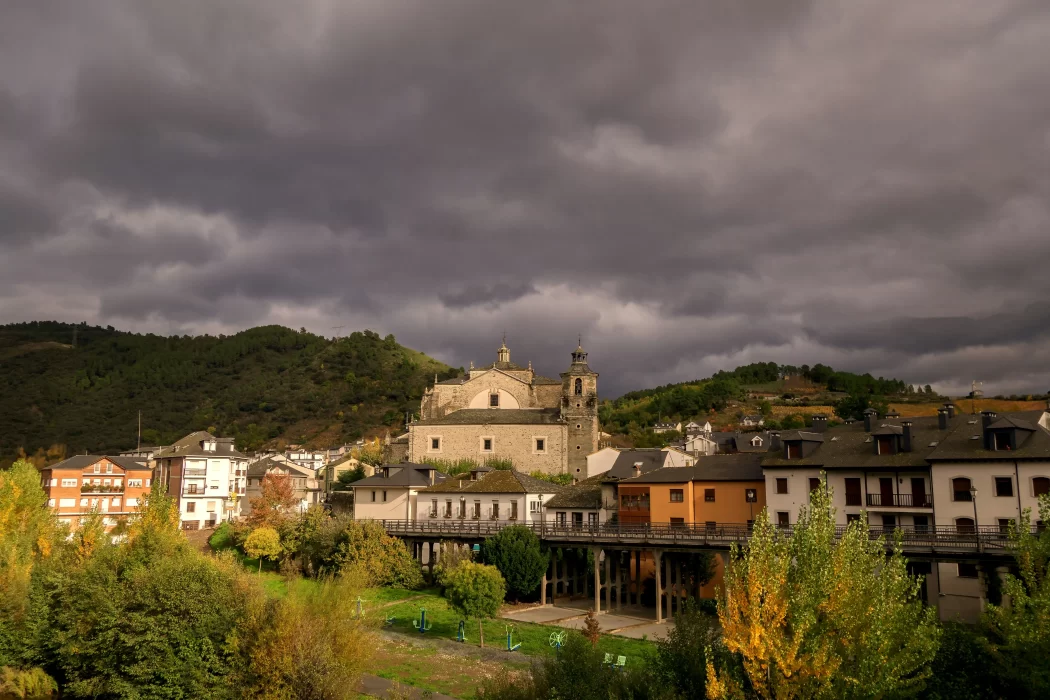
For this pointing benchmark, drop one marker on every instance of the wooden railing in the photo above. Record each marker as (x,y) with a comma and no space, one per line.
(900,500)
(715,535)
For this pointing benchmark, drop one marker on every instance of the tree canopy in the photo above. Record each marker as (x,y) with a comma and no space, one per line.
(517,553)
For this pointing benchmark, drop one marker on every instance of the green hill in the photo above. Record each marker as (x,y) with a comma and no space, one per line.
(636,410)
(259,386)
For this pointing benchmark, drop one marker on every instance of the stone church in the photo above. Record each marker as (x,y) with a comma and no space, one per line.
(505,411)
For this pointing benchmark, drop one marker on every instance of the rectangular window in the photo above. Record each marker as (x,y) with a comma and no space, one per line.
(794,450)
(677,522)
(889,521)
(147,483)
(373,497)
(853,491)
(211,506)
(433,507)
(486,444)
(384,497)
(109,468)
(462,507)
(592,519)
(134,483)
(561,519)
(51,502)
(782,519)
(513,510)
(477,509)
(67,503)
(922,524)
(852,518)
(961,490)
(116,503)
(782,485)
(98,469)
(541,445)
(83,503)
(69,482)
(495,510)
(534,506)
(54,482)
(677,496)
(1040,486)
(709,495)
(191,506)
(448,509)
(1004,525)
(494,400)
(814,483)
(1002,441)
(967,569)
(1004,486)
(105,482)
(435,443)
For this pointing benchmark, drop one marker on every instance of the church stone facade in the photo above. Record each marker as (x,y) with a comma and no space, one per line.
(505,411)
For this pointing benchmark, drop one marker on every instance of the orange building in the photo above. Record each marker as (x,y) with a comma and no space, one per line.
(114,486)
(719,490)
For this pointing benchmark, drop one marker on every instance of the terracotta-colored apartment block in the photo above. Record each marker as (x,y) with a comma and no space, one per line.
(115,486)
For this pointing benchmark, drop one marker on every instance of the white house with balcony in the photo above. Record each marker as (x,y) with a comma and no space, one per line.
(206,475)
(986,472)
(488,494)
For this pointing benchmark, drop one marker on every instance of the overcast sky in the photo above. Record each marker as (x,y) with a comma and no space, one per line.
(690,185)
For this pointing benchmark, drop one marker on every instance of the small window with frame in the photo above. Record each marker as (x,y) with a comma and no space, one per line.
(709,495)
(677,495)
(782,485)
(486,444)
(967,569)
(1004,486)
(541,445)
(494,400)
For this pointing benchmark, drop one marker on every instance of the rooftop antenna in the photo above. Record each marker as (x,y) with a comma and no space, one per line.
(975,391)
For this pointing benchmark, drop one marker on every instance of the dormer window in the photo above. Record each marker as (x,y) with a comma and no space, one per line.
(1002,441)
(756,441)
(794,450)
(494,400)
(209,445)
(885,445)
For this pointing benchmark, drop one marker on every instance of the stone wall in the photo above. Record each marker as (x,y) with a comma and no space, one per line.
(446,398)
(514,442)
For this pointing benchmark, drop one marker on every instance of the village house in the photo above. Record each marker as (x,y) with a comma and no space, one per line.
(488,494)
(752,420)
(392,493)
(667,427)
(206,475)
(579,503)
(306,487)
(603,460)
(112,486)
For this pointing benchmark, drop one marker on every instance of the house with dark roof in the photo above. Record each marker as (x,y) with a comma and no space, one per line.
(509,413)
(111,485)
(667,427)
(752,420)
(206,475)
(392,493)
(488,494)
(580,504)
(306,486)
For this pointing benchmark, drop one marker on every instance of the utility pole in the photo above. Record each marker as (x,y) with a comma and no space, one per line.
(337,328)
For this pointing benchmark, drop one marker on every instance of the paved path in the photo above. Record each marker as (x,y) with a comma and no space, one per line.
(625,623)
(381,687)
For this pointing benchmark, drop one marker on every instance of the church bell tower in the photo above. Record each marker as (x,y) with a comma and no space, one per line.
(579,409)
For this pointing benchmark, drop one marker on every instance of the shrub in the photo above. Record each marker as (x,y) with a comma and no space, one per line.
(450,555)
(516,552)
(475,591)
(681,657)
(222,538)
(382,559)
(263,543)
(967,668)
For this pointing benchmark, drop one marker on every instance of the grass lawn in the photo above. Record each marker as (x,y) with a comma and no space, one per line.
(534,638)
(433,666)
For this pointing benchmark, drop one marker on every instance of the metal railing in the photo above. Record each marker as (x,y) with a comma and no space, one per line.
(716,535)
(900,500)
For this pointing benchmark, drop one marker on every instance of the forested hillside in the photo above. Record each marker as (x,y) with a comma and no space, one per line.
(636,410)
(259,385)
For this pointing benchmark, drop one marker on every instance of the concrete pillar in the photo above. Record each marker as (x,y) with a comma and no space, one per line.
(657,557)
(618,584)
(679,589)
(608,584)
(597,581)
(637,578)
(430,557)
(667,585)
(543,585)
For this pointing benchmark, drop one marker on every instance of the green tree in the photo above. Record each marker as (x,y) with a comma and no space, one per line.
(1021,630)
(968,667)
(812,617)
(853,406)
(517,553)
(475,591)
(383,560)
(681,656)
(263,543)
(345,478)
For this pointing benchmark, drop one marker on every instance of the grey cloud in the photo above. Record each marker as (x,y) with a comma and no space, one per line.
(688,185)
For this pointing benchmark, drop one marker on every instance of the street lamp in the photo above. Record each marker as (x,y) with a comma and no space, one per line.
(973,497)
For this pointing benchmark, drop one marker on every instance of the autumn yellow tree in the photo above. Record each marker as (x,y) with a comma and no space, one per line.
(811,617)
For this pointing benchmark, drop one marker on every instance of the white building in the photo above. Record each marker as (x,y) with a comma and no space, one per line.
(488,494)
(392,493)
(605,459)
(206,475)
(986,471)
(667,427)
(701,444)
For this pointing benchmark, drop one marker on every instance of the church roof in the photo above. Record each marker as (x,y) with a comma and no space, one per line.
(506,366)
(545,380)
(495,416)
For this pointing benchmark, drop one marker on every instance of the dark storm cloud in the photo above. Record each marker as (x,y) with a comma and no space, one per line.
(687,185)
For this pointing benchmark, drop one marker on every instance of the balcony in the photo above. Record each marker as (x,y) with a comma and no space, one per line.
(195,471)
(101,488)
(194,491)
(900,500)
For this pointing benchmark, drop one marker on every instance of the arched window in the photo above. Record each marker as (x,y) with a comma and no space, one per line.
(1040,486)
(964,526)
(579,387)
(961,490)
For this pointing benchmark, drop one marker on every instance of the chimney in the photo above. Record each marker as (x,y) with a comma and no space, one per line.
(849,421)
(942,418)
(986,418)
(820,423)
(951,410)
(637,468)
(774,442)
(907,435)
(870,416)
